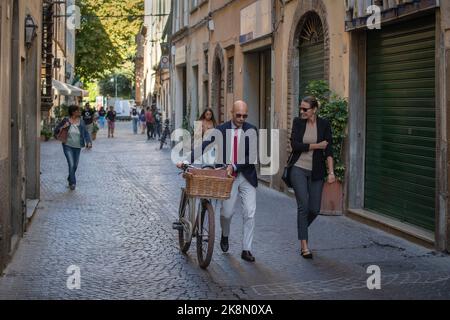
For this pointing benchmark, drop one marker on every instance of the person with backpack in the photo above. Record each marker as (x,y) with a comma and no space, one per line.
(135,119)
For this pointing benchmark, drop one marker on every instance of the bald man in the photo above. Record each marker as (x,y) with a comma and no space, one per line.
(236,136)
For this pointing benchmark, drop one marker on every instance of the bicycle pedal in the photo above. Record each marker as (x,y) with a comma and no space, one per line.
(177,226)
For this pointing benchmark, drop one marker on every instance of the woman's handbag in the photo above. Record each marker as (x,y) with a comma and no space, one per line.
(287,172)
(63,135)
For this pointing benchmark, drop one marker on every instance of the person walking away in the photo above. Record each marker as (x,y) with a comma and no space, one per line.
(311,142)
(149,120)
(142,121)
(102,117)
(111,118)
(135,119)
(76,138)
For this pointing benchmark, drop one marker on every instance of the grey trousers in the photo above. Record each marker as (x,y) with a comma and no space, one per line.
(309,196)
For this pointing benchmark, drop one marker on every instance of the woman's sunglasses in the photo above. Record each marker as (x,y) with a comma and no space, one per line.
(305,109)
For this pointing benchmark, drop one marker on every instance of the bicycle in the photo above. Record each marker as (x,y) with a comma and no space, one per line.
(165,135)
(202,185)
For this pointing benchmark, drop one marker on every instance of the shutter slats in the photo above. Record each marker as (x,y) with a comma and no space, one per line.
(401,122)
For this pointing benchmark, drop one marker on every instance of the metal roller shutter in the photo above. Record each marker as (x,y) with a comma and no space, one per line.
(401,122)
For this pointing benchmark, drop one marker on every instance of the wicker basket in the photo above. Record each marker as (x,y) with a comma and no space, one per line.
(208,184)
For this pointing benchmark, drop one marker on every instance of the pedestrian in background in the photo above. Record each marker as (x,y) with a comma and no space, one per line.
(102,117)
(150,122)
(311,142)
(73,140)
(157,124)
(111,117)
(135,119)
(142,121)
(89,117)
(208,122)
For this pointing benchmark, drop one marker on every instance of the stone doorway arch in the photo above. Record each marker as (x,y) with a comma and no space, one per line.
(218,85)
(309,26)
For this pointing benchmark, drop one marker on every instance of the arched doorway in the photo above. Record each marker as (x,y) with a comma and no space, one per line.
(311,52)
(308,53)
(218,86)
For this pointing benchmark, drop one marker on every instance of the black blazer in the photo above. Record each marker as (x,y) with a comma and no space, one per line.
(248,169)
(319,156)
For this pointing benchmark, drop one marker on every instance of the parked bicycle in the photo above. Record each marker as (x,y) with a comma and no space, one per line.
(165,138)
(196,213)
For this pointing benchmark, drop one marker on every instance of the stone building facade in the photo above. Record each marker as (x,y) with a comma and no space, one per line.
(395,79)
(20,73)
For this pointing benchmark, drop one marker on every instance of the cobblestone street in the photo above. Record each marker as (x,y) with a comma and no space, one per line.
(117,227)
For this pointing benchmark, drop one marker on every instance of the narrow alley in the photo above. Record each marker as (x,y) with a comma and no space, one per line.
(117,228)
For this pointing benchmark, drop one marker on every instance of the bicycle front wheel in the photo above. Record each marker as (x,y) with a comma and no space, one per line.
(205,234)
(184,234)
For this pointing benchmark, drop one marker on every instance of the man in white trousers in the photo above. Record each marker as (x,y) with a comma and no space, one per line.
(239,137)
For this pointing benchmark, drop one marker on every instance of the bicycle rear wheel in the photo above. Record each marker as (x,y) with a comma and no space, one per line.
(184,235)
(205,233)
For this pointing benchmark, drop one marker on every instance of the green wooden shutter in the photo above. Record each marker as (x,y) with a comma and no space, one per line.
(401,122)
(311,53)
(312,64)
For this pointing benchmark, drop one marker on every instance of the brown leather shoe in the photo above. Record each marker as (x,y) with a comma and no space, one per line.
(247,256)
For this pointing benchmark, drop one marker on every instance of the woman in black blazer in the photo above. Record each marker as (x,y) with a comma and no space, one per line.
(311,142)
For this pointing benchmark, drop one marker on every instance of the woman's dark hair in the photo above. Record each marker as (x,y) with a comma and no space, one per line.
(142,111)
(73,109)
(312,101)
(203,116)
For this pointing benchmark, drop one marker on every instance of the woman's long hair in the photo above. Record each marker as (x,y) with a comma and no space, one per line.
(203,116)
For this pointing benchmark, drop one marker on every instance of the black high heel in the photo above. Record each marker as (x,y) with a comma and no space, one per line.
(306,254)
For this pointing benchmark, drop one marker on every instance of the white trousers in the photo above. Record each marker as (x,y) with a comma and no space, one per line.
(247,193)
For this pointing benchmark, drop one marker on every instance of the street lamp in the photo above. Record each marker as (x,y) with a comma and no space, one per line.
(30,30)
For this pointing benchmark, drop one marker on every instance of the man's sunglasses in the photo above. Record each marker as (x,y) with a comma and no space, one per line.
(238,115)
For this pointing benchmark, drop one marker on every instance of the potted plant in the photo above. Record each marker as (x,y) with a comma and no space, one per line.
(46,134)
(335,109)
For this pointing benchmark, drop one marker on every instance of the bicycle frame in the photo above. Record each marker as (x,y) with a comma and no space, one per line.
(189,223)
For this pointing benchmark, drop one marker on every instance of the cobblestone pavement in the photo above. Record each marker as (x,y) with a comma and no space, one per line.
(117,228)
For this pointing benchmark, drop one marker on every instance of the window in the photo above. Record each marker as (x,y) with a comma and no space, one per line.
(230,75)
(194,4)
(206,63)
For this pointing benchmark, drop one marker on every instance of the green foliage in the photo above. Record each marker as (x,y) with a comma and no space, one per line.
(46,132)
(105,41)
(93,89)
(335,109)
(124,86)
(61,111)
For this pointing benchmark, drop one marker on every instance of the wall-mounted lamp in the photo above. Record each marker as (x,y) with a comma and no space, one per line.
(30,31)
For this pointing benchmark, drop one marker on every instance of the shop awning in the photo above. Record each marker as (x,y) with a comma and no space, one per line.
(84,93)
(65,89)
